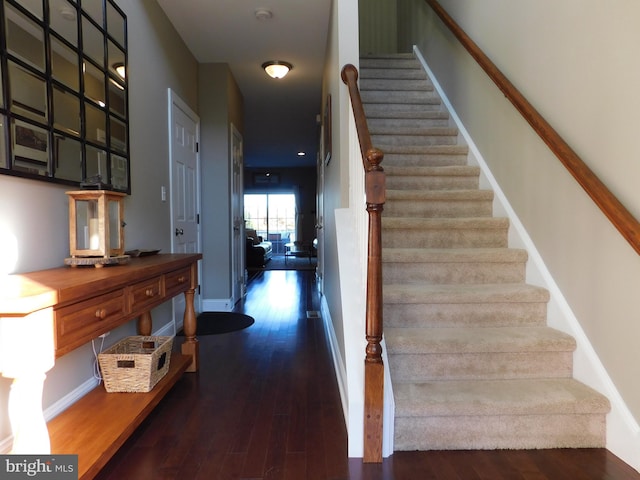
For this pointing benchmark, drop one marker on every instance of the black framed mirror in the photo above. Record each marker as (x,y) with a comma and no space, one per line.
(64,93)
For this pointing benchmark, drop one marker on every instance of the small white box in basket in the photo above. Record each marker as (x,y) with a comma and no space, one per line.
(135,364)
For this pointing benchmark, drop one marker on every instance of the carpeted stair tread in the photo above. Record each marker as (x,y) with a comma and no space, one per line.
(397,223)
(426,150)
(379,131)
(498,397)
(450,171)
(403,98)
(435,195)
(453,255)
(406,118)
(396,84)
(368,73)
(476,340)
(476,294)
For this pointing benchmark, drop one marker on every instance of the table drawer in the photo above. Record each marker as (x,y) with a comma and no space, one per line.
(178,281)
(147,294)
(79,323)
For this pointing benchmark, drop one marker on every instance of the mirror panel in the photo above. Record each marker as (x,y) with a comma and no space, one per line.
(117,98)
(3,145)
(119,172)
(64,64)
(30,148)
(116,61)
(96,162)
(115,24)
(28,93)
(63,20)
(94,10)
(67,158)
(92,42)
(118,135)
(66,112)
(33,6)
(63,115)
(94,86)
(96,124)
(25,38)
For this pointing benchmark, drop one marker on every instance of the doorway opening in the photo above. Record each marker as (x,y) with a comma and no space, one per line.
(273,216)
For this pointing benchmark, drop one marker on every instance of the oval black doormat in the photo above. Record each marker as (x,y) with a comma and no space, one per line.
(215,323)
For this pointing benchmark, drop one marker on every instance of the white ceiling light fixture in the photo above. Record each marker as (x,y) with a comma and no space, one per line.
(263,14)
(277,69)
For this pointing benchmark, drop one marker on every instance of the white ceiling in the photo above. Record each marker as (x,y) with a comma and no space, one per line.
(280,115)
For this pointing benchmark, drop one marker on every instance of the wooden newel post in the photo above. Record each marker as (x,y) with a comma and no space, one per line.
(375,198)
(374,367)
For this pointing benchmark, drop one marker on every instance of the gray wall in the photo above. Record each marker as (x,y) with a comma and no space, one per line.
(220,105)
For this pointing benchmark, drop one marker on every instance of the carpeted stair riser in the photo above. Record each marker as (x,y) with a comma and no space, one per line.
(398,85)
(377,110)
(423,122)
(418,355)
(508,432)
(444,232)
(441,203)
(368,73)
(473,363)
(489,414)
(429,182)
(468,314)
(436,266)
(411,159)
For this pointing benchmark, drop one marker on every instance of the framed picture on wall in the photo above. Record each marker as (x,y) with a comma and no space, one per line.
(326,124)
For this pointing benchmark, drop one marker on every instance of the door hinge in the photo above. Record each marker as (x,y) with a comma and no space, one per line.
(198,218)
(199,290)
(197,147)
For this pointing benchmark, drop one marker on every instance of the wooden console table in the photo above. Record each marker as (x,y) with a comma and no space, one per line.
(46,314)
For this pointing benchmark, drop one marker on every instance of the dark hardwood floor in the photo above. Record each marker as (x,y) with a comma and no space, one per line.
(265,405)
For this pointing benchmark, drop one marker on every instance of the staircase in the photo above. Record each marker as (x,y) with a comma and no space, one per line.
(472,362)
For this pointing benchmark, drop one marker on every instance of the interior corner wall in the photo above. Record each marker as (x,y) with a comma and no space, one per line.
(220,104)
(572,62)
(36,213)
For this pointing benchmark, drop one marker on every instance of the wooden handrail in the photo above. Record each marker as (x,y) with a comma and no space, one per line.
(375,198)
(613,209)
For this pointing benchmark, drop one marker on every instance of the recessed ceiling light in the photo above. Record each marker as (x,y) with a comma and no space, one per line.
(301,154)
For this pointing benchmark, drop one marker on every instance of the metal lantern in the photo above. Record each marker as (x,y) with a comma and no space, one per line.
(96,227)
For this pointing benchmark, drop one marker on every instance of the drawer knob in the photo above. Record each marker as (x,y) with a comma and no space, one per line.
(182,279)
(101,313)
(149,292)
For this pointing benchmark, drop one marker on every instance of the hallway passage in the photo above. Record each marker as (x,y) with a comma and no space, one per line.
(265,405)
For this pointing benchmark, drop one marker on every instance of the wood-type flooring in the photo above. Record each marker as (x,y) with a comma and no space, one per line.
(265,405)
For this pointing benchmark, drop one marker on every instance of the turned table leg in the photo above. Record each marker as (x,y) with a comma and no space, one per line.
(190,346)
(145,324)
(26,354)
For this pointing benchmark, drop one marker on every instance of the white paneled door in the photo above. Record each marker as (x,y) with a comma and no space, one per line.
(184,130)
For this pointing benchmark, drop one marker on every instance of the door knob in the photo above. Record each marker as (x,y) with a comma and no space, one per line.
(179,231)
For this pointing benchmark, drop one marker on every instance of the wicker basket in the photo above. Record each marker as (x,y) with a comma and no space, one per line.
(135,364)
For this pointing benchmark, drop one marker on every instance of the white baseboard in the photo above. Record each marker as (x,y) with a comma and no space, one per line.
(623,431)
(338,363)
(217,305)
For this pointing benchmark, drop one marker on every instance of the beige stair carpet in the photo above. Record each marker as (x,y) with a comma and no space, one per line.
(472,360)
